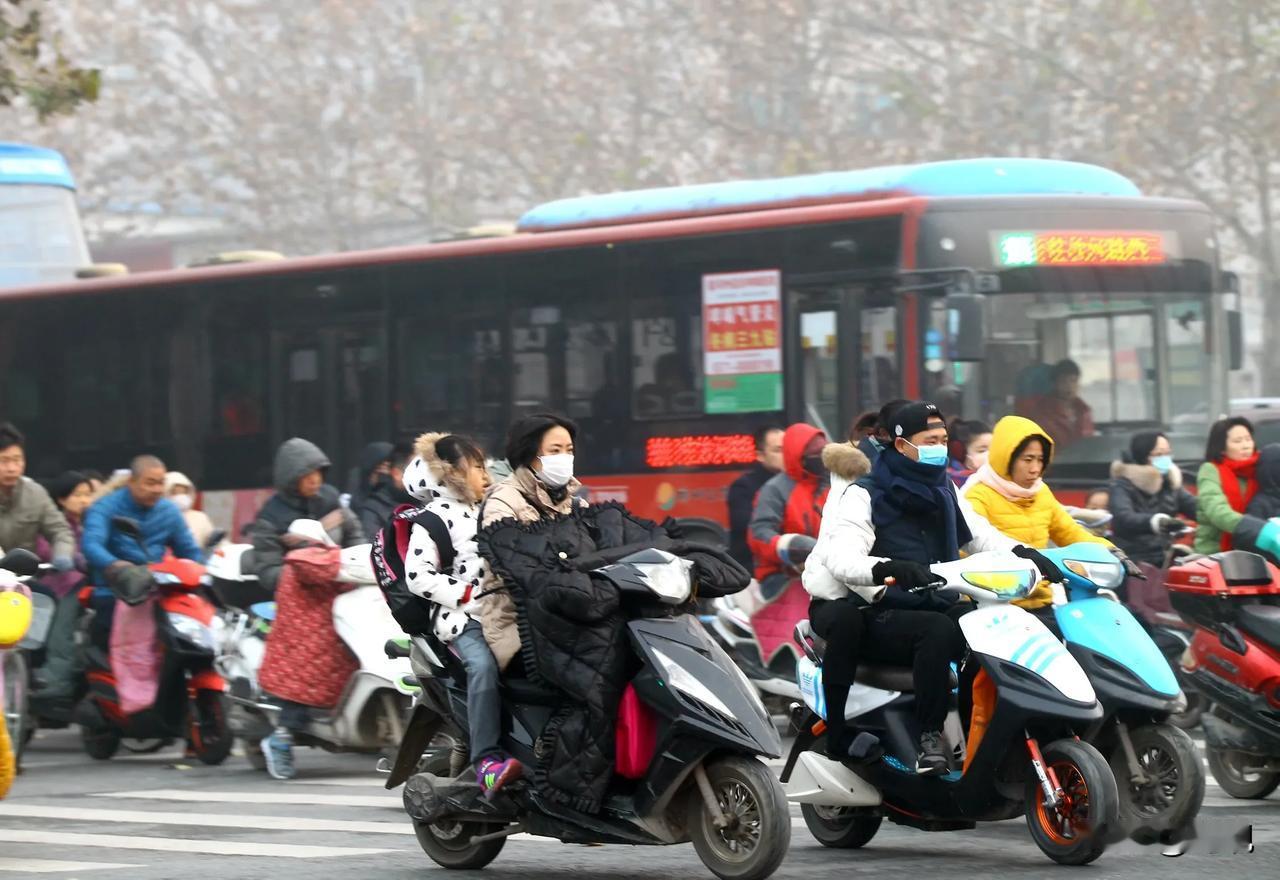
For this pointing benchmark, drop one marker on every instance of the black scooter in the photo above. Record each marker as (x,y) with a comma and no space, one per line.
(698,780)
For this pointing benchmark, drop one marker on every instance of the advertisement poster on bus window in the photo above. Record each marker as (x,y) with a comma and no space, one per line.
(742,341)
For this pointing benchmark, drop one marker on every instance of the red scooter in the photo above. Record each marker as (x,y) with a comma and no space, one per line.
(190,699)
(1233,600)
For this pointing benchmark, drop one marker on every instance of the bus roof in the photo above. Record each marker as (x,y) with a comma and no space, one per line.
(22,163)
(606,236)
(960,177)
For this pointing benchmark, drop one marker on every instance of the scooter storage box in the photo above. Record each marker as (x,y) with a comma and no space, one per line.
(1226,575)
(1199,588)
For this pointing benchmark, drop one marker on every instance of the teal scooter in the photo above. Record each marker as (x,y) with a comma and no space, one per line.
(1157,768)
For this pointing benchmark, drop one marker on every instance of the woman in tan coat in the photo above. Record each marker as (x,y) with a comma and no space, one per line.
(540,452)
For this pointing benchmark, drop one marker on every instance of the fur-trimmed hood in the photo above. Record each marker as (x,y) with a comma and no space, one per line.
(429,476)
(846,461)
(1145,476)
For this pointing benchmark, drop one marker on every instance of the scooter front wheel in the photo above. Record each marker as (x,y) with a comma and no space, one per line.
(755,841)
(448,843)
(1075,831)
(100,743)
(1174,790)
(209,729)
(17,715)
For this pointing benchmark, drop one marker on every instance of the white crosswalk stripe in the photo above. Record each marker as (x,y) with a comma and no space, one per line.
(332,817)
(53,866)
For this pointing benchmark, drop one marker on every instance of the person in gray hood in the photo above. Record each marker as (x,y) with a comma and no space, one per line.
(301,493)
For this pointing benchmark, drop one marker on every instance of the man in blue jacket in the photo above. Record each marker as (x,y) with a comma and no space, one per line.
(141,500)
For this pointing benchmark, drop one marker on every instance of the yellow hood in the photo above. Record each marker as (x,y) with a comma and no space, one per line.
(1007,436)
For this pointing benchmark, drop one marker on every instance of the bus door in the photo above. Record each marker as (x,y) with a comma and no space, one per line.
(329,387)
(842,354)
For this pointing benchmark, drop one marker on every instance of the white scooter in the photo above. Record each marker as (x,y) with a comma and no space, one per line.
(369,716)
(1022,756)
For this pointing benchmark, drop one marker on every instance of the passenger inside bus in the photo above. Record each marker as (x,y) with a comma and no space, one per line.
(671,392)
(1051,397)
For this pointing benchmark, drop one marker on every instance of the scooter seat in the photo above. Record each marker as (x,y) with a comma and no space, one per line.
(1261,621)
(522,690)
(888,678)
(265,610)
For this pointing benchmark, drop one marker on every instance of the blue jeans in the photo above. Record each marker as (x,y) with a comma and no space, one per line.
(484,706)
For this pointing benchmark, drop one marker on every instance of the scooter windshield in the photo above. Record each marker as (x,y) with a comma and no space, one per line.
(1006,584)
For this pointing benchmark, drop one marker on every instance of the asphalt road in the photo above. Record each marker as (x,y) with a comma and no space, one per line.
(147,817)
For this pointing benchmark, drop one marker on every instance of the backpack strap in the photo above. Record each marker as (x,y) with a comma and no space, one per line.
(439,533)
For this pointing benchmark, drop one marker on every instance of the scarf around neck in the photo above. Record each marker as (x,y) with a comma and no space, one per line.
(902,487)
(1008,488)
(1231,471)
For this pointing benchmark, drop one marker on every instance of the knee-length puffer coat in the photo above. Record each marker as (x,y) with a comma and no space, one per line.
(573,631)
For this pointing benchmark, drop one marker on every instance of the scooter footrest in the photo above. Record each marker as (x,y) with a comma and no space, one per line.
(428,798)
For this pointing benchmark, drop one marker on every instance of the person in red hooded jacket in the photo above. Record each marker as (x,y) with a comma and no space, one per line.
(788,511)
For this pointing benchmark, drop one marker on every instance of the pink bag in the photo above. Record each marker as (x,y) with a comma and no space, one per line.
(636,737)
(135,655)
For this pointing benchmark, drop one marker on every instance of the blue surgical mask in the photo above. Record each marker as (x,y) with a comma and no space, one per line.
(934,456)
(1162,463)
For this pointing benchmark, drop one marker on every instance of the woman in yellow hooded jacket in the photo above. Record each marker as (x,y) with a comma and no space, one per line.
(1010,493)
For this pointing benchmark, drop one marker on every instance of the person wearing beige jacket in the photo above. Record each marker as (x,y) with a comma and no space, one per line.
(541,484)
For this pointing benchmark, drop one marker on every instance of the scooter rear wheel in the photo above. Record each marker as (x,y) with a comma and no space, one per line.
(449,845)
(840,828)
(1076,831)
(759,833)
(1231,770)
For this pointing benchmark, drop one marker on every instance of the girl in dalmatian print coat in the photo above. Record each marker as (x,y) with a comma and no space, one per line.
(448,476)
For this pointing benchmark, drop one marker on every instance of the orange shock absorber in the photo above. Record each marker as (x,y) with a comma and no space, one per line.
(1048,779)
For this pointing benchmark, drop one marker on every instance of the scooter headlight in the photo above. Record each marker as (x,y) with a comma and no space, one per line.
(1108,575)
(682,680)
(194,631)
(1002,583)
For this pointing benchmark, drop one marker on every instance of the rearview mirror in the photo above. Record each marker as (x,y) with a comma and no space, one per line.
(1235,340)
(966,326)
(127,527)
(21,562)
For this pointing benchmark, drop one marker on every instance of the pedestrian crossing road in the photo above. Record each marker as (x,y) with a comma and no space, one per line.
(145,817)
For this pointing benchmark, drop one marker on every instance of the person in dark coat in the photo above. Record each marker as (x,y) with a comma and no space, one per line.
(301,493)
(370,471)
(743,491)
(307,591)
(1147,496)
(375,509)
(1259,531)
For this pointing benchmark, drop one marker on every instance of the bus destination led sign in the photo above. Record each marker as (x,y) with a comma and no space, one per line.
(1076,248)
(706,450)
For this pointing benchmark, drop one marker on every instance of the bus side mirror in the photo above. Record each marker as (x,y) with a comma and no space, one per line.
(1235,340)
(966,326)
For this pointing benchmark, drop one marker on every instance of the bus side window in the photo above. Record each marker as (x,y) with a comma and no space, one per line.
(666,373)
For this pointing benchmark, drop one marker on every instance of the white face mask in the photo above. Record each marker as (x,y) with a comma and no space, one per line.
(183,501)
(557,470)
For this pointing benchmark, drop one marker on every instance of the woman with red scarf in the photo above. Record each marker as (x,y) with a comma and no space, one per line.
(1226,483)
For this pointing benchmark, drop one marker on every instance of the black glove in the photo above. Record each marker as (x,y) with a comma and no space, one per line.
(1048,570)
(1131,568)
(905,575)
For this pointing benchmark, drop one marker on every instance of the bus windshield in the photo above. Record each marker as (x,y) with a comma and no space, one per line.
(40,235)
(1092,368)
